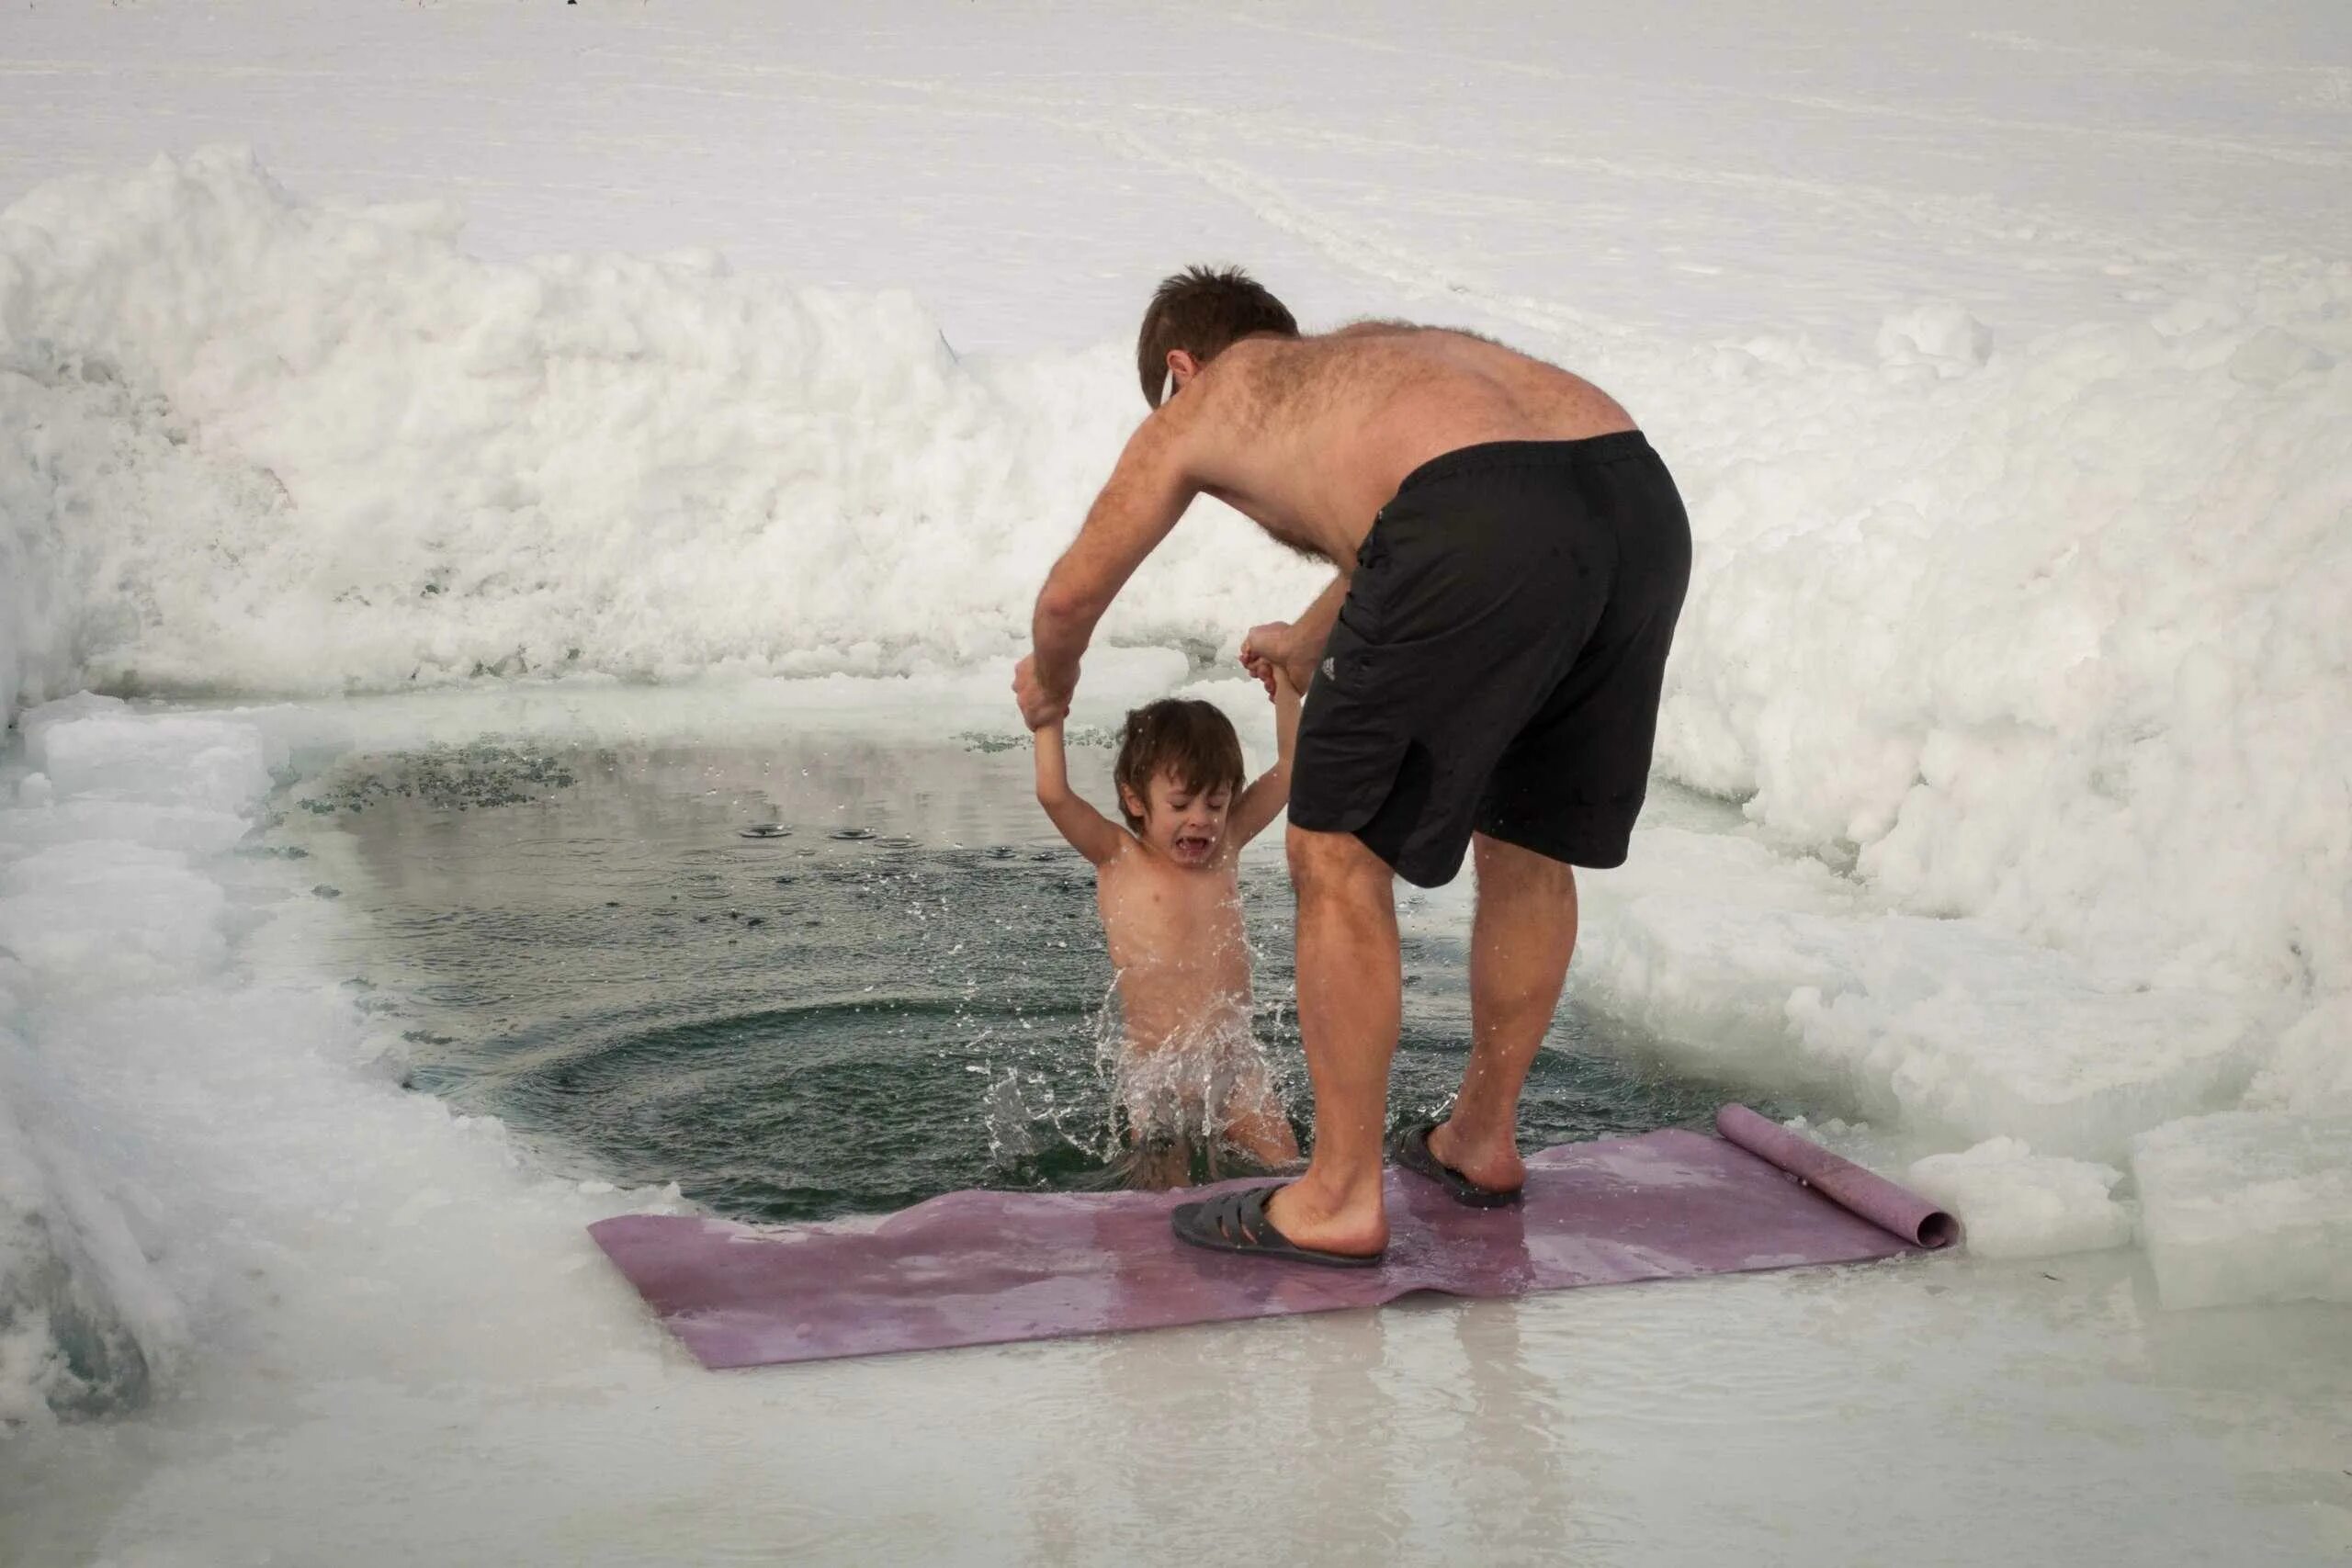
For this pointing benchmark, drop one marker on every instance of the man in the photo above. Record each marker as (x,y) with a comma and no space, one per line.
(1484,672)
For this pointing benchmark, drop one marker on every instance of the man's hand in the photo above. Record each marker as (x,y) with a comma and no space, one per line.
(1280,645)
(1040,703)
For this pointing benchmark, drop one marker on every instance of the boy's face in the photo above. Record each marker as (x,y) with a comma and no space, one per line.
(1182,823)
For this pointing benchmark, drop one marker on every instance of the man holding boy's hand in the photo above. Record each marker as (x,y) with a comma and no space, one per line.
(1484,672)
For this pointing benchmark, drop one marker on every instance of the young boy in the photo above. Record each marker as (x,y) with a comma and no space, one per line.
(1168,889)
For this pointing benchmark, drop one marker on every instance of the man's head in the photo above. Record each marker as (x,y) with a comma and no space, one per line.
(1196,315)
(1180,766)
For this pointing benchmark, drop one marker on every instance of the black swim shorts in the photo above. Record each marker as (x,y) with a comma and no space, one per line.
(1496,663)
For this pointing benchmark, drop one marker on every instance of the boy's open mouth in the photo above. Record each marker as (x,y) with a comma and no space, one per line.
(1194,846)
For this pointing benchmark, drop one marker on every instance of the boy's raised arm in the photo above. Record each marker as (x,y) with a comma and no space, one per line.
(1270,791)
(1090,833)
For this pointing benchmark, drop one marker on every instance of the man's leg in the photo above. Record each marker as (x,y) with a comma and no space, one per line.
(1349,992)
(1520,942)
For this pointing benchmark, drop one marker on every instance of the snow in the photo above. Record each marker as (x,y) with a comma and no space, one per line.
(341,1298)
(2247,1206)
(2005,359)
(99,915)
(2015,1204)
(1757,968)
(265,445)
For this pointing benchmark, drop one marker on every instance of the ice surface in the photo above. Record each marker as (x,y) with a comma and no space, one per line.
(197,762)
(2247,1206)
(230,1199)
(2015,1204)
(2311,1071)
(101,913)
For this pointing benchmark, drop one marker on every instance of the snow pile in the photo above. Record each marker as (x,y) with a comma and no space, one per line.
(91,914)
(85,1322)
(2015,1204)
(2247,1206)
(1757,969)
(2047,632)
(247,443)
(2311,1070)
(197,1142)
(2056,639)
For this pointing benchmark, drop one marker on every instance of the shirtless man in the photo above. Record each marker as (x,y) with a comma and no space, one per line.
(1484,672)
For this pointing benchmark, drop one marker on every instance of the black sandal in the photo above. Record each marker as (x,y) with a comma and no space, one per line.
(1236,1222)
(1411,1151)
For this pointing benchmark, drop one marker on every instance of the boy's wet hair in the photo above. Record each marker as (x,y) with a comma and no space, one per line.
(1204,313)
(1183,736)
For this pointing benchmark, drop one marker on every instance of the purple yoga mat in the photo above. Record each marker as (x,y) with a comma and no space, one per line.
(987,1268)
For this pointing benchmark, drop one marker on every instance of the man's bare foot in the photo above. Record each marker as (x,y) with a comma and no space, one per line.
(1308,1217)
(1493,1164)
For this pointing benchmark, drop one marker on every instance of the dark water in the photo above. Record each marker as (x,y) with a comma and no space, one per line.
(900,996)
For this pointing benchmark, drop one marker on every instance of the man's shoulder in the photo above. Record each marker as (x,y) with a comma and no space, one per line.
(1375,326)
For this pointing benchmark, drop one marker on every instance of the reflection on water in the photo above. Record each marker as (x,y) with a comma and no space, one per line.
(826,976)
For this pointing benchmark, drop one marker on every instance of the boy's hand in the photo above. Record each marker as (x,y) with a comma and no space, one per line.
(1040,704)
(1274,677)
(1261,670)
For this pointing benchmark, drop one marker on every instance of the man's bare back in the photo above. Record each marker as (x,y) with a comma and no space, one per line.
(1309,436)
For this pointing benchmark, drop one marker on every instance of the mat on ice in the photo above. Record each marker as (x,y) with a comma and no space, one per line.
(988,1268)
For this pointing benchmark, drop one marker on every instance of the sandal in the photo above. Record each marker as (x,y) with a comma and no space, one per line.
(1411,1151)
(1236,1222)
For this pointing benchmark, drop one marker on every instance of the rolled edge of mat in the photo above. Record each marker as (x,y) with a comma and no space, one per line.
(1874,1197)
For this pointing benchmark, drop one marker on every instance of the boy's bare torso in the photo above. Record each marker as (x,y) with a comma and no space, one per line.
(1176,941)
(1309,437)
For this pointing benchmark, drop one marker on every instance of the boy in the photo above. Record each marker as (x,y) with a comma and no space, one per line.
(1169,889)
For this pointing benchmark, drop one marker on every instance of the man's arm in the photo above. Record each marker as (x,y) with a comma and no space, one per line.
(1090,833)
(1138,504)
(1270,791)
(1295,646)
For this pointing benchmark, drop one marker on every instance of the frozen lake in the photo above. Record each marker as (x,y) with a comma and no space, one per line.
(403,1308)
(635,421)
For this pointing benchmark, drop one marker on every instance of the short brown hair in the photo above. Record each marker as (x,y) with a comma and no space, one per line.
(1183,736)
(1204,312)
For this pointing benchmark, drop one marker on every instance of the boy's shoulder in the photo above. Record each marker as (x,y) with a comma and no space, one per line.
(1125,852)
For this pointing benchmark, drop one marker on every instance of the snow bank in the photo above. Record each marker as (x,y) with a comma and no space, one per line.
(1753,968)
(2047,632)
(2310,1072)
(251,444)
(2015,1204)
(85,1323)
(2054,636)
(197,1142)
(2247,1206)
(95,911)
